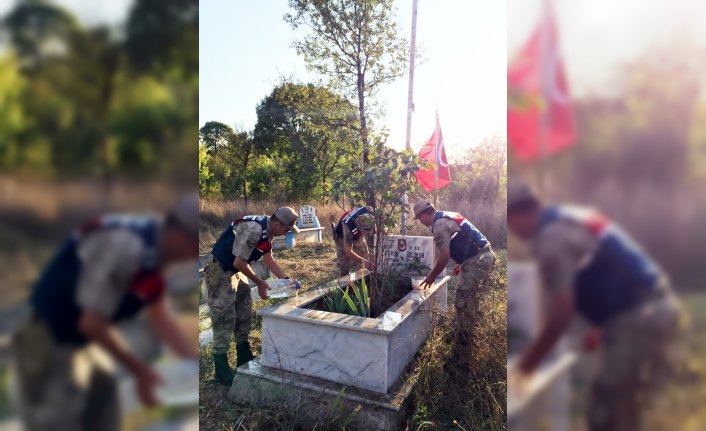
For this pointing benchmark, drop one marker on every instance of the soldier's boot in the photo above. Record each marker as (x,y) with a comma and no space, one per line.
(244,353)
(224,374)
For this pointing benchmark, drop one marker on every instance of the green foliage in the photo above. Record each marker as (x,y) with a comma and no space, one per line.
(207,185)
(311,134)
(355,44)
(214,136)
(230,159)
(350,38)
(389,176)
(12,115)
(82,105)
(352,300)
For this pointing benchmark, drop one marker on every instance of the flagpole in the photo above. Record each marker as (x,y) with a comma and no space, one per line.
(436,158)
(410,102)
(544,117)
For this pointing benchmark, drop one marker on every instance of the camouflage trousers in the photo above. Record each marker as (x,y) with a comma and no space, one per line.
(230,306)
(346,265)
(63,387)
(634,359)
(471,282)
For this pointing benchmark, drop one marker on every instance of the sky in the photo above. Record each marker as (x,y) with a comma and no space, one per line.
(245,49)
(598,36)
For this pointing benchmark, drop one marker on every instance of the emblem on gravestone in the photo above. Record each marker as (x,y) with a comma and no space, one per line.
(402,244)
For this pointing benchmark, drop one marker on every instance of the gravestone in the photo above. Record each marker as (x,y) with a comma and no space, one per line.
(547,405)
(523,305)
(307,217)
(409,255)
(287,240)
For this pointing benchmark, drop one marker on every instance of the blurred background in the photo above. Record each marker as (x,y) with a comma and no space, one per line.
(98,114)
(622,83)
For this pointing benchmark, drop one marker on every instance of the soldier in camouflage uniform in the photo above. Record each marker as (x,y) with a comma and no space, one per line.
(456,238)
(350,238)
(107,272)
(591,267)
(243,242)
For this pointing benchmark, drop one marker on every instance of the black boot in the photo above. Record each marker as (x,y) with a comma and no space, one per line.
(224,374)
(244,353)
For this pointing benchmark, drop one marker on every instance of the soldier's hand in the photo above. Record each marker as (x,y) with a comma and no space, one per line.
(147,380)
(262,289)
(457,269)
(427,283)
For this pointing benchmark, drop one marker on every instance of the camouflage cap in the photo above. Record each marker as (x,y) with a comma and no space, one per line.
(287,216)
(518,194)
(420,207)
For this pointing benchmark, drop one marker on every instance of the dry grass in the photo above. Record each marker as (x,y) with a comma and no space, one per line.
(459,388)
(465,387)
(215,214)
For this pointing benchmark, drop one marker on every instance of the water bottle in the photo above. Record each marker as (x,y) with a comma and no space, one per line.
(279,288)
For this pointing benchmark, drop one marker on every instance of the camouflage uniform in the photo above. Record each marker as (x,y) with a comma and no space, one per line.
(64,386)
(472,280)
(229,298)
(360,247)
(635,344)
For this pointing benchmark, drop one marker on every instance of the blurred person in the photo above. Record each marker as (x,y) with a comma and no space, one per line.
(457,238)
(108,271)
(590,267)
(349,235)
(243,242)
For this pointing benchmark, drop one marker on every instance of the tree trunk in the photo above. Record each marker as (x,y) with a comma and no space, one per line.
(361,113)
(370,196)
(245,176)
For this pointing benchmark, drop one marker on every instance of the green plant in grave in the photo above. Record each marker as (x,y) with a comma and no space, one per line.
(387,184)
(357,303)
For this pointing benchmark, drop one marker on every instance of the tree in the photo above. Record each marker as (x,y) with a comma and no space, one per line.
(241,150)
(310,131)
(162,37)
(207,187)
(215,135)
(390,177)
(12,116)
(482,173)
(230,153)
(39,31)
(355,44)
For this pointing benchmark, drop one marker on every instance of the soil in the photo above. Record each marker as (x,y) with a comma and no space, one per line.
(388,295)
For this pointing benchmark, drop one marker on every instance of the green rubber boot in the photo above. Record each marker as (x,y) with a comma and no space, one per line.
(244,353)
(224,374)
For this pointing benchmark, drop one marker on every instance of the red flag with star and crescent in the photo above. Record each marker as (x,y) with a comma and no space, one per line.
(537,82)
(433,151)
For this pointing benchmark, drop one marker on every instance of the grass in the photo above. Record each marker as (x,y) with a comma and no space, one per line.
(456,387)
(679,405)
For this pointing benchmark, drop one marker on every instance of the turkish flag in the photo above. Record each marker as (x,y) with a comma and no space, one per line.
(433,151)
(537,85)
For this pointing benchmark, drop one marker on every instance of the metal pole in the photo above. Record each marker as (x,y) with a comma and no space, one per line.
(436,158)
(544,117)
(410,101)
